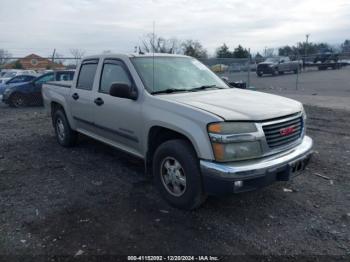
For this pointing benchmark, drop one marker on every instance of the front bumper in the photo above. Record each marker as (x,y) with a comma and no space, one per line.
(220,178)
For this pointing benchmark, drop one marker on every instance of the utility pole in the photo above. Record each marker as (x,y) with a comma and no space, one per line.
(248,68)
(53,55)
(306,44)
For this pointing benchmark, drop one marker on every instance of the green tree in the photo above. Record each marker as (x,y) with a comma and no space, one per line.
(345,47)
(18,65)
(223,52)
(194,48)
(240,52)
(286,51)
(258,57)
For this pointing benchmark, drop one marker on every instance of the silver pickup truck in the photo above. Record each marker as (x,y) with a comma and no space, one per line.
(196,135)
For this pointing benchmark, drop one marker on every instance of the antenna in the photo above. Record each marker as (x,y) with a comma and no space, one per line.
(153,39)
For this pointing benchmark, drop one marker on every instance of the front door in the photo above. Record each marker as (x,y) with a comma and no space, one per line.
(117,119)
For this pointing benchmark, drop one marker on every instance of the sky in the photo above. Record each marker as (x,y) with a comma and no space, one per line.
(39,26)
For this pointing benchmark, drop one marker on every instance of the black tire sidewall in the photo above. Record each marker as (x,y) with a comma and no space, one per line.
(16,96)
(69,136)
(183,152)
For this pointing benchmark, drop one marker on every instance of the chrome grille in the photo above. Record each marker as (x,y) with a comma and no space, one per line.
(283,132)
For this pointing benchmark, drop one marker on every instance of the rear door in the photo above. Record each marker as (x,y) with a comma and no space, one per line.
(117,119)
(285,65)
(81,97)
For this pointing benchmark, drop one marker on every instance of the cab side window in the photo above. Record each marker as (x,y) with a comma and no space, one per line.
(87,75)
(113,72)
(45,78)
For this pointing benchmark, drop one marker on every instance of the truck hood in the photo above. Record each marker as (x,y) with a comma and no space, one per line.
(237,104)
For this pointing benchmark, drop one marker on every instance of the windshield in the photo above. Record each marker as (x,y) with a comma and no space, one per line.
(9,74)
(272,60)
(175,73)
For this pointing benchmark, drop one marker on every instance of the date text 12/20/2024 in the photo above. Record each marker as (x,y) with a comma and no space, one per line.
(173,258)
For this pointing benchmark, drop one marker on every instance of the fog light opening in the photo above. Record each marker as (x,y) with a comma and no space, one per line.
(238,184)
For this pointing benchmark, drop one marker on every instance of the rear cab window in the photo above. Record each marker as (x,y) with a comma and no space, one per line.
(87,74)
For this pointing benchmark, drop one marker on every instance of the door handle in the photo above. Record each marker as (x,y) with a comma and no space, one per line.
(75,96)
(98,101)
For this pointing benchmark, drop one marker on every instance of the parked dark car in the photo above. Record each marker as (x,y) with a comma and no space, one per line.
(326,56)
(30,93)
(278,66)
(15,81)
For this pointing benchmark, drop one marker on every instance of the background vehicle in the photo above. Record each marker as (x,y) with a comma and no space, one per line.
(13,72)
(326,56)
(29,93)
(277,65)
(15,81)
(197,135)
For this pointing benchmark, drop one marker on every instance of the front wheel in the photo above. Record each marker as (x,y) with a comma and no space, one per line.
(64,134)
(18,100)
(177,175)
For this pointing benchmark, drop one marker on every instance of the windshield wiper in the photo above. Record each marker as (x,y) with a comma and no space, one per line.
(205,87)
(169,91)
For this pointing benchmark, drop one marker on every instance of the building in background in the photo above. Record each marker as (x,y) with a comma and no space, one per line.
(35,62)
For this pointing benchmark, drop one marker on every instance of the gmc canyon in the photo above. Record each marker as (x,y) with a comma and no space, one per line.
(196,135)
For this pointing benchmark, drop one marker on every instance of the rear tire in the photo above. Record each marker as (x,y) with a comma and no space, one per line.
(177,175)
(18,100)
(275,72)
(65,136)
(259,74)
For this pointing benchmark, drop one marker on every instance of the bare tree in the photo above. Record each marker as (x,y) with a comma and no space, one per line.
(153,43)
(58,58)
(4,56)
(77,54)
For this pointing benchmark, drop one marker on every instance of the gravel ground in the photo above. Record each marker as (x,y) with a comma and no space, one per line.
(93,199)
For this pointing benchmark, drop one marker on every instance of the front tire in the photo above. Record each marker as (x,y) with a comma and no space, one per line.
(65,136)
(177,175)
(18,100)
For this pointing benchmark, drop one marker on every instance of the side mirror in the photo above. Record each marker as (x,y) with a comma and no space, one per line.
(123,90)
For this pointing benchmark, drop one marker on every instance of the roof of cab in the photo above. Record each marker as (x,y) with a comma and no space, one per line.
(131,55)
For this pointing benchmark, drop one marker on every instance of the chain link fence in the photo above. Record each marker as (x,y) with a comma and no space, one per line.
(280,74)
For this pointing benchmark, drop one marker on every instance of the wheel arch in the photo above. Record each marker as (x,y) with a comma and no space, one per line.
(56,105)
(160,134)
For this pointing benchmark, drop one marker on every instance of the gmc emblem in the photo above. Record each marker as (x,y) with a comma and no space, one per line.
(287,131)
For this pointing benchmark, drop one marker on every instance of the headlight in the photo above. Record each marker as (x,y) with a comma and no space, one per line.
(304,114)
(232,141)
(7,90)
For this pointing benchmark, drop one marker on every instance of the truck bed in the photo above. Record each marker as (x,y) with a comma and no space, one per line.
(56,91)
